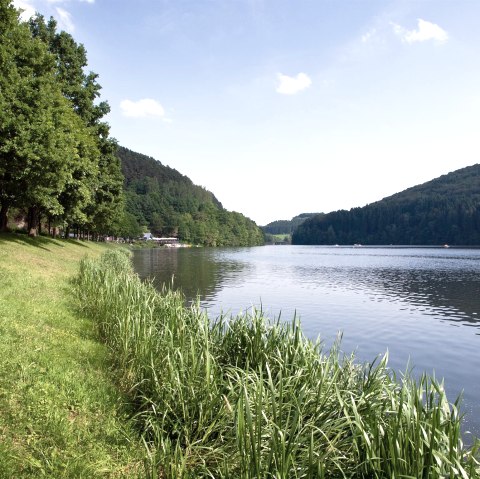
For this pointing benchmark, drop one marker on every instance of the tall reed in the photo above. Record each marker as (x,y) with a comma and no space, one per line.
(245,397)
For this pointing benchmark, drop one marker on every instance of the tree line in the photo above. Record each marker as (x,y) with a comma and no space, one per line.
(57,160)
(279,227)
(60,167)
(164,201)
(445,210)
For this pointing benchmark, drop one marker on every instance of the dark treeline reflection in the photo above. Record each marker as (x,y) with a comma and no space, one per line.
(451,295)
(454,296)
(443,284)
(192,270)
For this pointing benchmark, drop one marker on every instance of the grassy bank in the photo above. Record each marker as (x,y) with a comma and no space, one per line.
(60,413)
(247,398)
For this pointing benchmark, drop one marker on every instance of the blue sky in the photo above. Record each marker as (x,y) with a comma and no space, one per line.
(282,107)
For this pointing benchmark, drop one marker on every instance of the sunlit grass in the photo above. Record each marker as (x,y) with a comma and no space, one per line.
(60,412)
(246,397)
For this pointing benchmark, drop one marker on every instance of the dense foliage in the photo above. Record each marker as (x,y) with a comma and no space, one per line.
(445,210)
(168,203)
(59,164)
(247,398)
(287,227)
(56,158)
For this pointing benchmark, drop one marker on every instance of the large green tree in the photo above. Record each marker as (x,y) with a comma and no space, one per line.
(56,156)
(39,132)
(10,37)
(100,209)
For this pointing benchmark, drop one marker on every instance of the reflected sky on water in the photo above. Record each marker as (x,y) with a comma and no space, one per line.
(420,304)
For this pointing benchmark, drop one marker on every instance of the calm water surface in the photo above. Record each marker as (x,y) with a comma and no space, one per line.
(420,304)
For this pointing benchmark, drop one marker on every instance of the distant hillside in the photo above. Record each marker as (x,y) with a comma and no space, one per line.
(168,203)
(443,210)
(280,227)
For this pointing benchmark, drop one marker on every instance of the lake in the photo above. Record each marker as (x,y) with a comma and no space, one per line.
(422,305)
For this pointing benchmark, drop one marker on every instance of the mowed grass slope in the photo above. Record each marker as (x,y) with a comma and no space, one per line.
(60,413)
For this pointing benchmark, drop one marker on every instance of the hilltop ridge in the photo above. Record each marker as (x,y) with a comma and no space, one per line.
(167,202)
(443,210)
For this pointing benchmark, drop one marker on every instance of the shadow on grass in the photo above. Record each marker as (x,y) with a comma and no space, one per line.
(41,242)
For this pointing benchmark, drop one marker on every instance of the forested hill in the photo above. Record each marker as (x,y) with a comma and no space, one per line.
(280,227)
(445,210)
(168,203)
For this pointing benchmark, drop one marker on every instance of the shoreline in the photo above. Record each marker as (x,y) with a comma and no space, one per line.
(225,378)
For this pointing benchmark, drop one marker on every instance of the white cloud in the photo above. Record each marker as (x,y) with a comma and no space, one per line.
(146,107)
(425,31)
(369,35)
(293,85)
(65,21)
(27,7)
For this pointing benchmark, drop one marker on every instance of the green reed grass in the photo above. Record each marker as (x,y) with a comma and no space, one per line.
(245,397)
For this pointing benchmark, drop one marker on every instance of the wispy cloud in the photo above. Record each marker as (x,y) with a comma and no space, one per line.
(65,21)
(426,31)
(366,37)
(293,85)
(64,17)
(147,107)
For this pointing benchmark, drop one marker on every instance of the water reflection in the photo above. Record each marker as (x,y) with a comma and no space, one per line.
(451,294)
(442,283)
(195,271)
(422,305)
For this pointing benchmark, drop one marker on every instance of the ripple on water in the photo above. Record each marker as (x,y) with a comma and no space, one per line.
(420,304)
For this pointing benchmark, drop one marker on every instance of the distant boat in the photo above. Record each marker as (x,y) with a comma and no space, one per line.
(446,246)
(357,245)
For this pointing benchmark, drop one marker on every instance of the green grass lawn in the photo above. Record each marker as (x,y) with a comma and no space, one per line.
(61,415)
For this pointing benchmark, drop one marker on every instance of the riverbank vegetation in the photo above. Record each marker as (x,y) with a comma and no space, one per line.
(61,415)
(286,227)
(60,170)
(250,398)
(279,239)
(168,203)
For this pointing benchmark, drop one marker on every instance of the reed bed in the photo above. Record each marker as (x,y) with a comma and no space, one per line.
(246,397)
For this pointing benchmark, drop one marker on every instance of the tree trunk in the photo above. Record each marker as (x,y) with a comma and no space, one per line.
(32,221)
(67,232)
(3,217)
